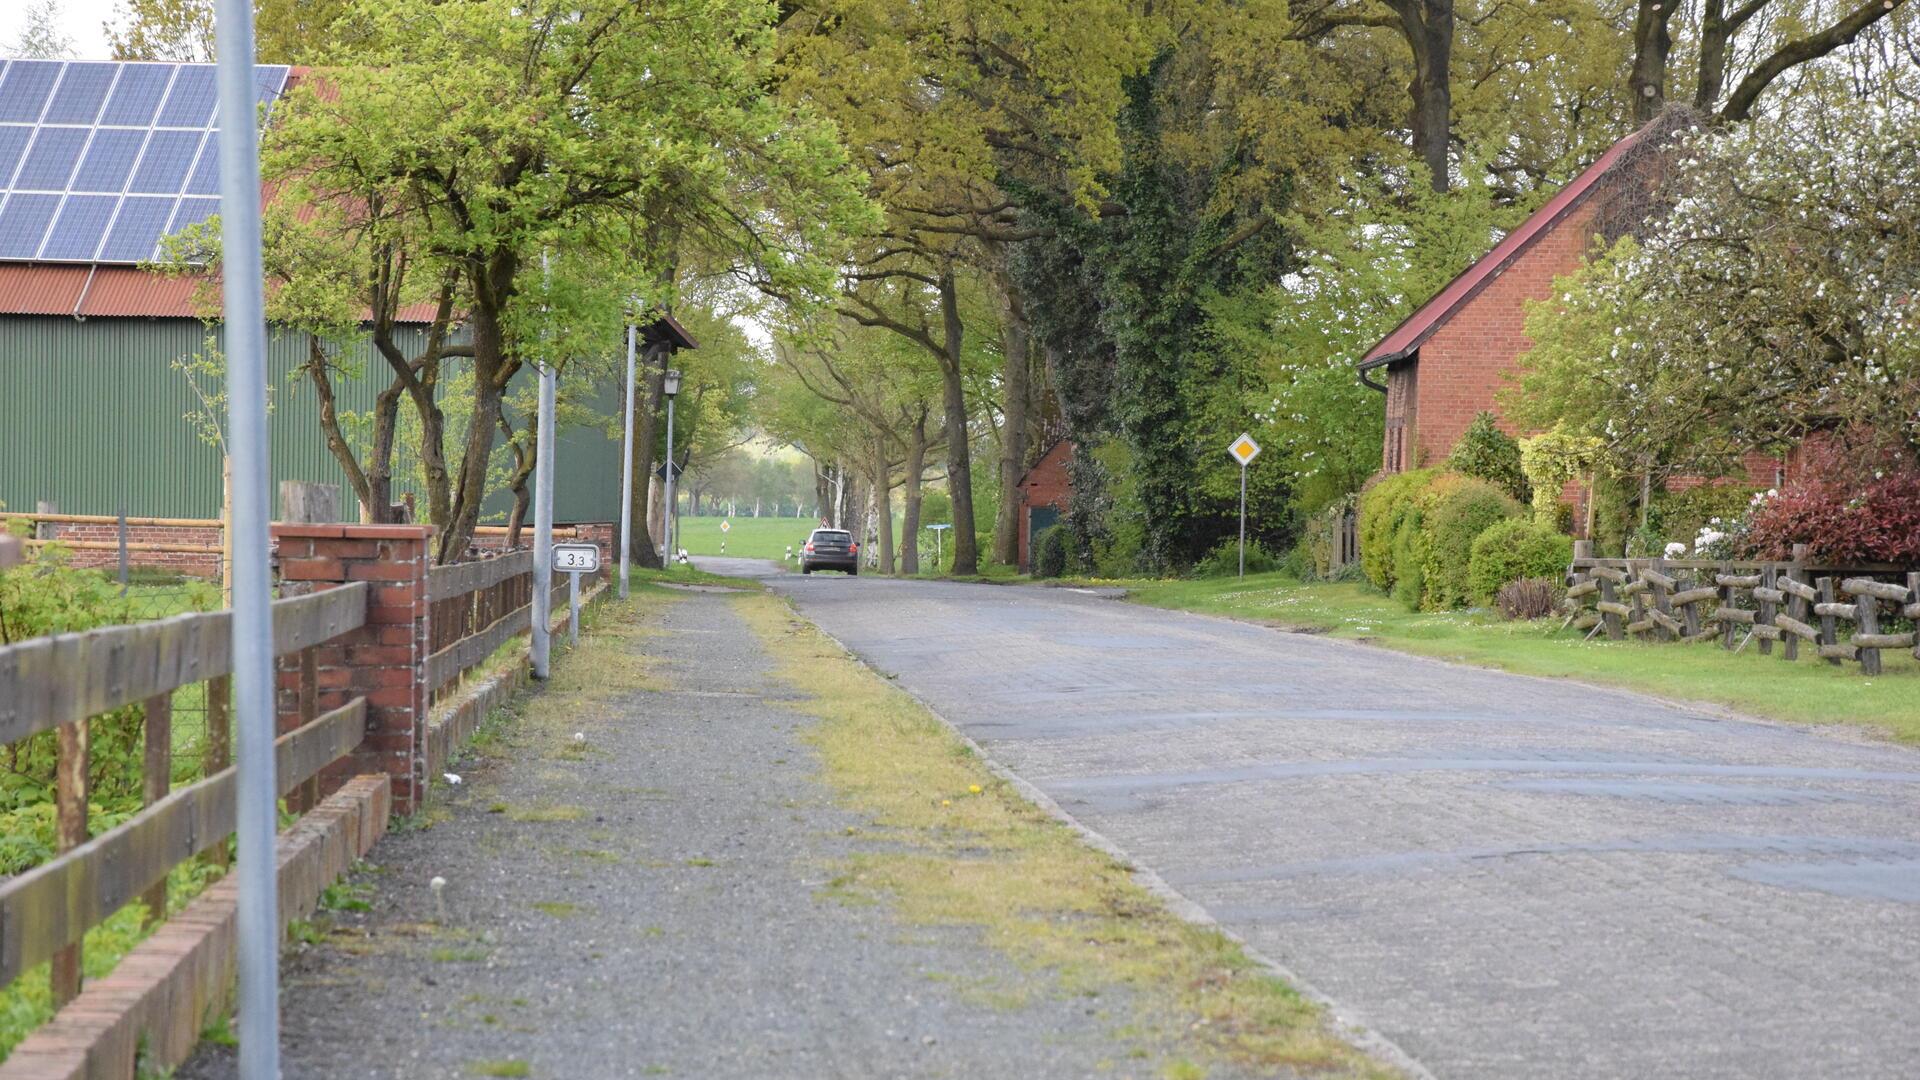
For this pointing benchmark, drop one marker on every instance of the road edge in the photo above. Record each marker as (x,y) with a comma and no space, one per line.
(1348,1023)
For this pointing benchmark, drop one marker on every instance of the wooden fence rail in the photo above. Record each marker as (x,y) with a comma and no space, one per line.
(1742,603)
(60,681)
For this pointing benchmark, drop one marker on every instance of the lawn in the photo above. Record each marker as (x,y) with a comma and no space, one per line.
(749,537)
(1809,691)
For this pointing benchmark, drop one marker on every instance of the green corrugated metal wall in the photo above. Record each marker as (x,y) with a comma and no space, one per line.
(92,416)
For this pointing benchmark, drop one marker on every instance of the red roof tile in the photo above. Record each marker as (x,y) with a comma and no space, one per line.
(1433,314)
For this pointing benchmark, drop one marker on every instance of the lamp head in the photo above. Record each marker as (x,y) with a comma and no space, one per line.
(672,384)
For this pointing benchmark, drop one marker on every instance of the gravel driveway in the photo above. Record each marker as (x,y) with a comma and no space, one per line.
(1506,876)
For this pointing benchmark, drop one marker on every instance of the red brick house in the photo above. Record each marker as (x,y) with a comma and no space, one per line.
(1044,492)
(1449,359)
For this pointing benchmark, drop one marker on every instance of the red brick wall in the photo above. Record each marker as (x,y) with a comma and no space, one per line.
(1046,484)
(384,661)
(1463,366)
(197,565)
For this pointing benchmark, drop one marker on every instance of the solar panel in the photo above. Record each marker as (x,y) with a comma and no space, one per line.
(24,89)
(99,161)
(83,89)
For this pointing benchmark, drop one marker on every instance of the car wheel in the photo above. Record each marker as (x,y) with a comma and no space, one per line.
(853,571)
(805,569)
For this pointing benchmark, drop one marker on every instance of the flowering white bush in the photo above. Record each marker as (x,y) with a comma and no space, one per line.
(1676,550)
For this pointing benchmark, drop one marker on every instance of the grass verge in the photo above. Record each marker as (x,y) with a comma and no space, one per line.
(1808,691)
(962,848)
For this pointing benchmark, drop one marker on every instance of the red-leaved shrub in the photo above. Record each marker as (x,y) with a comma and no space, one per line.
(1851,501)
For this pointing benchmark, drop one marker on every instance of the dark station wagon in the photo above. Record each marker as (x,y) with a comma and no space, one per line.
(830,549)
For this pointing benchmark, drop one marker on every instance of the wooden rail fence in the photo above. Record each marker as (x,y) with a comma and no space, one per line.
(58,682)
(1789,603)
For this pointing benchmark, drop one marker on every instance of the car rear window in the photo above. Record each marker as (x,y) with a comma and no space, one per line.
(826,534)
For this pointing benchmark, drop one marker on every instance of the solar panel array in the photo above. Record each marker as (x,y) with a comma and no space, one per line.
(100,159)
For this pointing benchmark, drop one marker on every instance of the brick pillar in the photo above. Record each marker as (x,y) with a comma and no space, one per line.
(383,661)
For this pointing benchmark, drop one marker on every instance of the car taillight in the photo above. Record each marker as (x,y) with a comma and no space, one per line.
(809,547)
(853,549)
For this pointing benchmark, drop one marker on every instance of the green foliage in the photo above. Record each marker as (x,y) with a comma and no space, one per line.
(1529,598)
(1454,520)
(1319,544)
(1050,553)
(1224,560)
(1486,452)
(1380,507)
(1553,459)
(1513,549)
(1683,515)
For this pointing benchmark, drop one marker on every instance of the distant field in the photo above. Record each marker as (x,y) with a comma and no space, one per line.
(751,538)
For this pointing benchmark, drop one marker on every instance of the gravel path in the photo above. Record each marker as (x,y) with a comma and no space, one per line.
(666,917)
(1506,876)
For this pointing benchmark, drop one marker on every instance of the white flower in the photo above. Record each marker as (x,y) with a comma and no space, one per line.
(437,883)
(452,778)
(579,736)
(1676,549)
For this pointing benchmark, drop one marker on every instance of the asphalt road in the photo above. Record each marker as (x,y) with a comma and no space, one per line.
(1504,876)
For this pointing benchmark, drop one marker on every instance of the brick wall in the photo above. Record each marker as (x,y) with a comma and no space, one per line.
(1046,484)
(384,661)
(176,562)
(1464,365)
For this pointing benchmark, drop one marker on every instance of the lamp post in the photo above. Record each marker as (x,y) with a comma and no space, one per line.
(671,387)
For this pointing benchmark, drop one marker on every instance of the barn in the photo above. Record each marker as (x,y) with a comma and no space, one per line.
(98,162)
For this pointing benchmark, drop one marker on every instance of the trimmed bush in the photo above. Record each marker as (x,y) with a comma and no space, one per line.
(1852,502)
(1224,560)
(1487,453)
(1454,517)
(1510,550)
(1050,556)
(1379,520)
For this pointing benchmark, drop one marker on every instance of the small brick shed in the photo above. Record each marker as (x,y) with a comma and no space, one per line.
(1449,360)
(1044,492)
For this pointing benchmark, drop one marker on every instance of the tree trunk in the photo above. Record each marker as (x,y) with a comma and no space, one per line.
(1013,433)
(883,501)
(644,547)
(1427,26)
(1652,45)
(966,548)
(910,523)
(523,463)
(492,368)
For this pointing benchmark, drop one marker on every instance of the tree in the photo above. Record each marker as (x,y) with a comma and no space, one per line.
(41,37)
(1772,46)
(285,31)
(1773,300)
(557,158)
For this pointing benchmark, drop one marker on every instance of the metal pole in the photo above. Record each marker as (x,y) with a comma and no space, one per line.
(258,917)
(573,610)
(1243,519)
(667,526)
(626,465)
(543,525)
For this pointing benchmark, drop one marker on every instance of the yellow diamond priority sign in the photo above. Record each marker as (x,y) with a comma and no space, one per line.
(1244,449)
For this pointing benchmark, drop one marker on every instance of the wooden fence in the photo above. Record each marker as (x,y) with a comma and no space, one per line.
(1738,603)
(58,682)
(376,636)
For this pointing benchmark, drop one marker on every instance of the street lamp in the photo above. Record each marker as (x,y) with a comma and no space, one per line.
(671,387)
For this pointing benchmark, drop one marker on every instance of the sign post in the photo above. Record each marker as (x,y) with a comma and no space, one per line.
(574,560)
(626,455)
(939,550)
(1243,450)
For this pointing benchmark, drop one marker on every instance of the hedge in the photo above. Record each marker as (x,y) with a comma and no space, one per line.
(1455,517)
(1379,508)
(1511,550)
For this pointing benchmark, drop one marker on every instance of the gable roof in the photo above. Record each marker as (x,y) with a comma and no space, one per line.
(1432,315)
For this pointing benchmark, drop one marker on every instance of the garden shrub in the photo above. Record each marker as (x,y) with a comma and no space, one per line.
(1487,453)
(1319,543)
(1510,550)
(1683,515)
(1050,555)
(1529,598)
(1379,509)
(1224,560)
(1851,501)
(1456,515)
